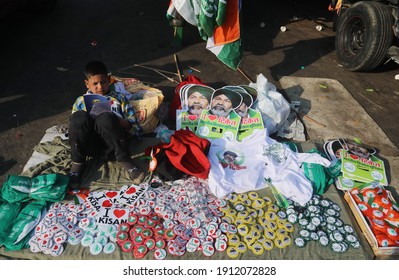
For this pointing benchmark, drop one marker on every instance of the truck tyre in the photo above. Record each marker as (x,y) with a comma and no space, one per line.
(364,34)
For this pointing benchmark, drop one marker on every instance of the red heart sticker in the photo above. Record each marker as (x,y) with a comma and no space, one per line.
(212,117)
(192,117)
(119,213)
(107,203)
(111,194)
(354,156)
(131,190)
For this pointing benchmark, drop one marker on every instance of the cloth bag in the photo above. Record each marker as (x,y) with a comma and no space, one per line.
(186,152)
(145,100)
(272,105)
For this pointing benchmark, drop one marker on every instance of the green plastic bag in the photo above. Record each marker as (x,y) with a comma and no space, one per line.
(17,236)
(317,175)
(8,213)
(47,187)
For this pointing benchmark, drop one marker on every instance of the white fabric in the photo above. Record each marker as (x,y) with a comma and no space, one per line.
(188,9)
(260,157)
(119,87)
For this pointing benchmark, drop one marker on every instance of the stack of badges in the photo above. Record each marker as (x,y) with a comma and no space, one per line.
(143,233)
(98,237)
(191,215)
(60,224)
(320,221)
(257,224)
(380,209)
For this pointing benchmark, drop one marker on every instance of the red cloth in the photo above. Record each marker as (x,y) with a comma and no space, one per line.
(176,103)
(187,152)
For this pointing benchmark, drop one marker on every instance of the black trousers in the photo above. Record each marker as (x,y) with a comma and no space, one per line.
(99,137)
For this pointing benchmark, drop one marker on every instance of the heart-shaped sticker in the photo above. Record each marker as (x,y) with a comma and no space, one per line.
(192,117)
(119,212)
(107,203)
(111,194)
(131,190)
(212,117)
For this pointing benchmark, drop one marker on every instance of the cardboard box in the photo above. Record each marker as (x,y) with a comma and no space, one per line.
(368,234)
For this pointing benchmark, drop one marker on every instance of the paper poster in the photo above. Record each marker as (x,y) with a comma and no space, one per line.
(214,127)
(250,123)
(362,169)
(186,121)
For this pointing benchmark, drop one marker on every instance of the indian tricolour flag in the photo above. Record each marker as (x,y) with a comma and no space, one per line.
(226,40)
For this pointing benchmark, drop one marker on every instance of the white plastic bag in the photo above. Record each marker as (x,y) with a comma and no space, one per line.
(274,108)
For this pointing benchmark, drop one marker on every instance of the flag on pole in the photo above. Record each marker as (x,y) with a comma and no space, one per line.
(218,22)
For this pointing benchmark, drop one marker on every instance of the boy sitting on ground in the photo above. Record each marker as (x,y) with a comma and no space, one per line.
(101,132)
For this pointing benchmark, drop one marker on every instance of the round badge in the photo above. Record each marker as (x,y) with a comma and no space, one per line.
(160,254)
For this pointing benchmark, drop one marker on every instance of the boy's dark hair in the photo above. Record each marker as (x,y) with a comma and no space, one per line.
(93,68)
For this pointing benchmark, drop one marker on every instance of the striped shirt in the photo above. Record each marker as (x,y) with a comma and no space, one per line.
(123,103)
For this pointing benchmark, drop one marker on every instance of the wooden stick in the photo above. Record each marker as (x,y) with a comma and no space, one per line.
(245,75)
(177,67)
(370,101)
(194,69)
(155,69)
(169,78)
(312,120)
(138,155)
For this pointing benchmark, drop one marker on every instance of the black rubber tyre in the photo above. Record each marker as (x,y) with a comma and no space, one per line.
(364,34)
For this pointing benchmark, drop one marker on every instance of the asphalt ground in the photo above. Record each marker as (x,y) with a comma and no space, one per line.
(42,58)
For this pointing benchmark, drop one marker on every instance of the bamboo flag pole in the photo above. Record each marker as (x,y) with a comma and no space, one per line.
(155,69)
(245,75)
(177,67)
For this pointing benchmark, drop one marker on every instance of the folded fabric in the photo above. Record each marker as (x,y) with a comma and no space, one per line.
(243,166)
(47,187)
(317,175)
(16,237)
(187,152)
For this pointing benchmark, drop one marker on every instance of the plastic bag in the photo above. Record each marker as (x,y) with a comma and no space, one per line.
(19,233)
(46,187)
(8,213)
(274,108)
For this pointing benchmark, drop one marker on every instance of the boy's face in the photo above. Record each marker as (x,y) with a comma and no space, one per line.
(98,84)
